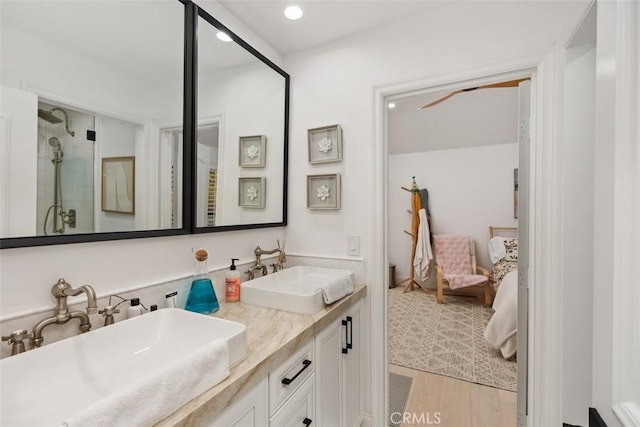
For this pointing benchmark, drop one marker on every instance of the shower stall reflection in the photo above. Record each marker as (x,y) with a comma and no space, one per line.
(60,216)
(65,171)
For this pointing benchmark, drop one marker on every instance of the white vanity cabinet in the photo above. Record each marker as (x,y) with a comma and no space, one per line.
(285,398)
(339,371)
(319,385)
(299,410)
(249,410)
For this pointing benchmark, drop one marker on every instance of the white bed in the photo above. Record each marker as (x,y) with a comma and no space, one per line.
(502,330)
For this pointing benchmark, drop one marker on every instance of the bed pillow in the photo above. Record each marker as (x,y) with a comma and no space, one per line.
(511,249)
(497,249)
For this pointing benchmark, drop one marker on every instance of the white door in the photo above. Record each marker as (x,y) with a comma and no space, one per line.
(19,162)
(524,108)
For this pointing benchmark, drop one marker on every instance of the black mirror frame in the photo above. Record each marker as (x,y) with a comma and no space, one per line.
(219,26)
(191,13)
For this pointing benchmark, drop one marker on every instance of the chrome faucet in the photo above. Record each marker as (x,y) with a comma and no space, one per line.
(61,290)
(259,266)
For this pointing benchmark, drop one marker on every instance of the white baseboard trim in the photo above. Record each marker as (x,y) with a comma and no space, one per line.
(628,413)
(366,421)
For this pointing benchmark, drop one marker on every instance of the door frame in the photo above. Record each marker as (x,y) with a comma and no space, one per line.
(544,390)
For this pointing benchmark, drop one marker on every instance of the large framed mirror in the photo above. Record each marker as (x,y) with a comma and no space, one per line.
(242,134)
(89,93)
(130,125)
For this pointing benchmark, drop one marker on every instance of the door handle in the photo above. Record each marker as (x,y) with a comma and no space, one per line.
(345,350)
(307,422)
(350,342)
(287,381)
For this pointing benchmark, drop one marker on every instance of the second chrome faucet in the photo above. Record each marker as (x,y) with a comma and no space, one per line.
(258,265)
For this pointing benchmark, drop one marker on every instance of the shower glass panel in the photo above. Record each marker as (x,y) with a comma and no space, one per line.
(65,189)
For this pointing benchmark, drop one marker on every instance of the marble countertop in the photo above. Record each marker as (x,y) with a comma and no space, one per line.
(272,336)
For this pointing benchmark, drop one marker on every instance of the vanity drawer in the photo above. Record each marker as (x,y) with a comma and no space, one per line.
(287,378)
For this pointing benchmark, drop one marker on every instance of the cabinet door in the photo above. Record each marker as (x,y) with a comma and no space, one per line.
(250,410)
(352,364)
(328,375)
(299,410)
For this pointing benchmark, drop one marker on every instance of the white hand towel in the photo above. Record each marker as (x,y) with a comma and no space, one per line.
(424,255)
(149,400)
(337,289)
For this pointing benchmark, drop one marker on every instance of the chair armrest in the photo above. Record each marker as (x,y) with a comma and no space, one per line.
(482,271)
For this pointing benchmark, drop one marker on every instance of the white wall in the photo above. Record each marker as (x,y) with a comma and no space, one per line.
(577,188)
(469,190)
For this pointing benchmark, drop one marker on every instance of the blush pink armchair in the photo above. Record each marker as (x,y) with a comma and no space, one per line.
(457,270)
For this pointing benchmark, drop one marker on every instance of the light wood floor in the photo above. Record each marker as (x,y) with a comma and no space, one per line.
(459,403)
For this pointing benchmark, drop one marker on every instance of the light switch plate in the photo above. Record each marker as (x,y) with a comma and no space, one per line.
(353,245)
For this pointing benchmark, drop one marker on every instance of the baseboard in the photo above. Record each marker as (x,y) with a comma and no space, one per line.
(628,413)
(595,420)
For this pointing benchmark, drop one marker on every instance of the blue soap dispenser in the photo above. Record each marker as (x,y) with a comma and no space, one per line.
(202,297)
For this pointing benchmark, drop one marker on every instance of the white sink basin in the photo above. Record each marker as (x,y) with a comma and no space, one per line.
(295,289)
(45,386)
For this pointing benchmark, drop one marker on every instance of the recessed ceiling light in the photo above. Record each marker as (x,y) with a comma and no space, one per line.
(293,12)
(391,105)
(223,36)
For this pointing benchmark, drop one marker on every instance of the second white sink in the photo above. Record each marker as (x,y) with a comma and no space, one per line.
(295,289)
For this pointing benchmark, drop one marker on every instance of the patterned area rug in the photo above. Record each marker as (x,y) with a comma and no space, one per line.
(445,339)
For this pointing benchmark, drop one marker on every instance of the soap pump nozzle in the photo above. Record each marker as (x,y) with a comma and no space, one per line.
(233,263)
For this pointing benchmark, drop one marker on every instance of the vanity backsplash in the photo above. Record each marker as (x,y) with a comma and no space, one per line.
(149,295)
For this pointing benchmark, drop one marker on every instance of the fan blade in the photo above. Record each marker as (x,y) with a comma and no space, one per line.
(510,83)
(438,101)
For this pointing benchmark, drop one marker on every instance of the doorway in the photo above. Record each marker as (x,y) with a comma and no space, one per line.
(401,200)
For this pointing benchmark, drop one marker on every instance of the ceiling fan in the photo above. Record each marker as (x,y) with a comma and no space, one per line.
(510,83)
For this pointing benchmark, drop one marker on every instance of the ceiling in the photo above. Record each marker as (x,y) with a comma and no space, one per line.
(323,20)
(468,119)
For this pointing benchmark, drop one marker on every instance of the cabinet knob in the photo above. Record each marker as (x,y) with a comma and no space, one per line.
(307,422)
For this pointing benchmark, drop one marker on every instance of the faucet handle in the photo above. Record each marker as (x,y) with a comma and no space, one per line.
(15,340)
(108,313)
(16,336)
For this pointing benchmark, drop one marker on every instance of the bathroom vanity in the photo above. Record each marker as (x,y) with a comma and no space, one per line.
(306,368)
